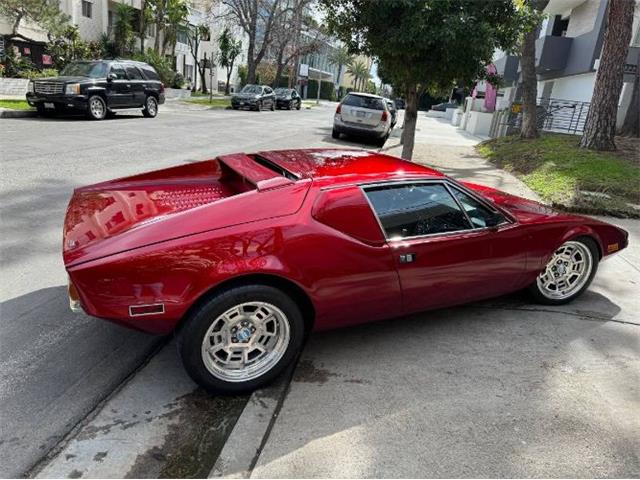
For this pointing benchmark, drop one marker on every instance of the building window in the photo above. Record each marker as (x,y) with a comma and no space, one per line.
(181,36)
(111,18)
(87,9)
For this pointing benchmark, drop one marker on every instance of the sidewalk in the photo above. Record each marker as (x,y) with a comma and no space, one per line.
(502,388)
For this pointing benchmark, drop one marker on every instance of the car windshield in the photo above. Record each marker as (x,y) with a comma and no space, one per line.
(252,89)
(281,91)
(85,69)
(372,103)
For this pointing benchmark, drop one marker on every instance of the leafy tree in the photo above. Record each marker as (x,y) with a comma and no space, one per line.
(195,35)
(257,18)
(600,127)
(123,31)
(45,13)
(531,14)
(68,46)
(359,70)
(340,57)
(169,17)
(229,49)
(424,44)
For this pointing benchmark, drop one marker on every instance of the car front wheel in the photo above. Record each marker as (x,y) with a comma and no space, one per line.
(97,108)
(568,273)
(150,107)
(241,339)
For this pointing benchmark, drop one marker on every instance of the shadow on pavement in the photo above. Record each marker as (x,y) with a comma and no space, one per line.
(55,367)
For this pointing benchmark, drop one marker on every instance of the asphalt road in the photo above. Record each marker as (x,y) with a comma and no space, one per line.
(55,367)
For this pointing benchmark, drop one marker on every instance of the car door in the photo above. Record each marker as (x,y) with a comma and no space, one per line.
(118,87)
(442,258)
(138,87)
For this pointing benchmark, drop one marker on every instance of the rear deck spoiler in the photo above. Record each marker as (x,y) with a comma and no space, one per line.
(260,176)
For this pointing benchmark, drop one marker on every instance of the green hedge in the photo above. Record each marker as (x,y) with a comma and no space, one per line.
(327,90)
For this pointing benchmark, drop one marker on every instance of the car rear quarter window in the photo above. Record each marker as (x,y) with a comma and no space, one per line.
(412,210)
(133,73)
(371,103)
(150,73)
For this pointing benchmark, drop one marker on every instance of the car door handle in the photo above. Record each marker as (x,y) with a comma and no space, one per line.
(128,85)
(407,257)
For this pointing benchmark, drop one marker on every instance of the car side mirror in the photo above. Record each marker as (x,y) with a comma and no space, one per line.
(494,220)
(111,77)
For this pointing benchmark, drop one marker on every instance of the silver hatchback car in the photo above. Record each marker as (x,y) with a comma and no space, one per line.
(364,115)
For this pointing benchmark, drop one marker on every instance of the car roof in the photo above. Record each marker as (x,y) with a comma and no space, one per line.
(362,94)
(347,166)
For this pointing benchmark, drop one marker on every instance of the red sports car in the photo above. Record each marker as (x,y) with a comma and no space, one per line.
(245,254)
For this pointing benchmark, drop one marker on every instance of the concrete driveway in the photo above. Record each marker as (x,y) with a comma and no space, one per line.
(503,388)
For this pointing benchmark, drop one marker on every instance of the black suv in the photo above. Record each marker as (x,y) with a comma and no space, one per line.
(99,87)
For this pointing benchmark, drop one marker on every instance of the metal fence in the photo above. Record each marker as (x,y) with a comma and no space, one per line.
(553,115)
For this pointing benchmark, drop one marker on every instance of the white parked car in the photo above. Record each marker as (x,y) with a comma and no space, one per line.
(363,115)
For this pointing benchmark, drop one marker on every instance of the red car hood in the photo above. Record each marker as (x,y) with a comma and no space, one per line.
(524,210)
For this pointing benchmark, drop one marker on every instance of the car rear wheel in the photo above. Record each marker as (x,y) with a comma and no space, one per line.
(335,133)
(381,141)
(150,109)
(241,339)
(568,273)
(299,104)
(259,106)
(97,108)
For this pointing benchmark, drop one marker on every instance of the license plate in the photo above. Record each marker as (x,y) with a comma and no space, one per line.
(360,114)
(49,105)
(241,103)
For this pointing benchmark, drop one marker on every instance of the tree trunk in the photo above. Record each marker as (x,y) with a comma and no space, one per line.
(410,120)
(631,125)
(229,71)
(529,86)
(203,71)
(600,127)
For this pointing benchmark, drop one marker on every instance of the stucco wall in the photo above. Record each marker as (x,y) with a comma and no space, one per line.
(583,17)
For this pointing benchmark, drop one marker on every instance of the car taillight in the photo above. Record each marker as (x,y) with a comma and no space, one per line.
(162,88)
(384,117)
(338,109)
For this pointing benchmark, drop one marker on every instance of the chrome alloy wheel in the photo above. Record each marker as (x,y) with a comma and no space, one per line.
(97,107)
(245,342)
(152,106)
(567,271)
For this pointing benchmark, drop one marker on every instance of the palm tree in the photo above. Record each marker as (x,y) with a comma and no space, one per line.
(359,71)
(340,58)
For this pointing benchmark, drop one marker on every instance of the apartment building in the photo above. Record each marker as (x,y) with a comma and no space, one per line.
(568,54)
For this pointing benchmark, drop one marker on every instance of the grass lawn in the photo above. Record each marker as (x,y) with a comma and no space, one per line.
(568,177)
(214,103)
(15,104)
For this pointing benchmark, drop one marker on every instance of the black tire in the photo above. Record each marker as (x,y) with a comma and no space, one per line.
(259,106)
(150,109)
(538,296)
(191,336)
(299,104)
(381,141)
(290,106)
(335,134)
(273,106)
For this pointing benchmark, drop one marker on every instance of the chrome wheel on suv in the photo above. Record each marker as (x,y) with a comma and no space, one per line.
(97,108)
(150,107)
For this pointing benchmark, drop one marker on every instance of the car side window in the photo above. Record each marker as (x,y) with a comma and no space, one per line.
(133,73)
(416,209)
(479,215)
(268,91)
(118,69)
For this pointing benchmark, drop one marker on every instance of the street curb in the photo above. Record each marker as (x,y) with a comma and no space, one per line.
(244,445)
(18,113)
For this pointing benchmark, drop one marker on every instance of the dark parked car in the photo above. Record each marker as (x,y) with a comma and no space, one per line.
(254,97)
(442,107)
(287,98)
(98,88)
